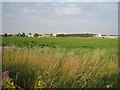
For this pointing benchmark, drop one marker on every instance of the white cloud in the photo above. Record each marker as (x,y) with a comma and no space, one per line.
(90,0)
(53,22)
(108,7)
(25,10)
(61,1)
(85,21)
(54,4)
(27,0)
(72,5)
(68,11)
(32,10)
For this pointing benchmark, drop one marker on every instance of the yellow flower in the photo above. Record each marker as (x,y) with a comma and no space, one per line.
(47,73)
(40,76)
(109,86)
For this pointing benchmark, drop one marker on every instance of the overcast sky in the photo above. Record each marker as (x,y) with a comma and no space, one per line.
(57,17)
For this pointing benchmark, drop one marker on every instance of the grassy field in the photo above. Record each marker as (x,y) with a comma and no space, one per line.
(60,63)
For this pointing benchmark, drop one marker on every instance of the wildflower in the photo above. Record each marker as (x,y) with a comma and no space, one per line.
(39,83)
(5,74)
(3,49)
(12,83)
(109,86)
(47,73)
(40,77)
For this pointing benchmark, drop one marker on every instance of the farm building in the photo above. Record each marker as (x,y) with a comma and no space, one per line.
(54,35)
(46,35)
(105,36)
(30,35)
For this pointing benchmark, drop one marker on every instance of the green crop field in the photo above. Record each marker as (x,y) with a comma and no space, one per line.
(61,42)
(59,63)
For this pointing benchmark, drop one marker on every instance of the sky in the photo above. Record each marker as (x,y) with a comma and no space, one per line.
(59,17)
(60,0)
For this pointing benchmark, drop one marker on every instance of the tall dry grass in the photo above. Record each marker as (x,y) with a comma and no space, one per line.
(58,67)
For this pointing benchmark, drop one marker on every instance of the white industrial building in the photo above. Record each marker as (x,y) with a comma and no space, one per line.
(30,35)
(105,36)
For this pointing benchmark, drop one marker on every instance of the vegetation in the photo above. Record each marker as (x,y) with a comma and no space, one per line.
(76,35)
(60,63)
(69,43)
(5,35)
(36,34)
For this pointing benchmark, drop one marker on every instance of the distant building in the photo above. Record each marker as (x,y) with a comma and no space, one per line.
(46,35)
(30,35)
(105,36)
(113,36)
(54,35)
(97,36)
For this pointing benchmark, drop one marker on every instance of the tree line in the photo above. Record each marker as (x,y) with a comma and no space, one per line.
(76,35)
(58,35)
(20,35)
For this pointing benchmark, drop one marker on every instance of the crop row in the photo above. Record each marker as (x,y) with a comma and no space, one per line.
(60,42)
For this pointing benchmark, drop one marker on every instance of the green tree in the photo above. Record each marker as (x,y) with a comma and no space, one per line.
(19,34)
(10,35)
(30,33)
(5,35)
(23,35)
(36,35)
(61,35)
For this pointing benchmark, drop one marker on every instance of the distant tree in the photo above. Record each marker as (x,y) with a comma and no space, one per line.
(19,34)
(61,35)
(23,35)
(36,35)
(75,35)
(30,33)
(10,35)
(5,35)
